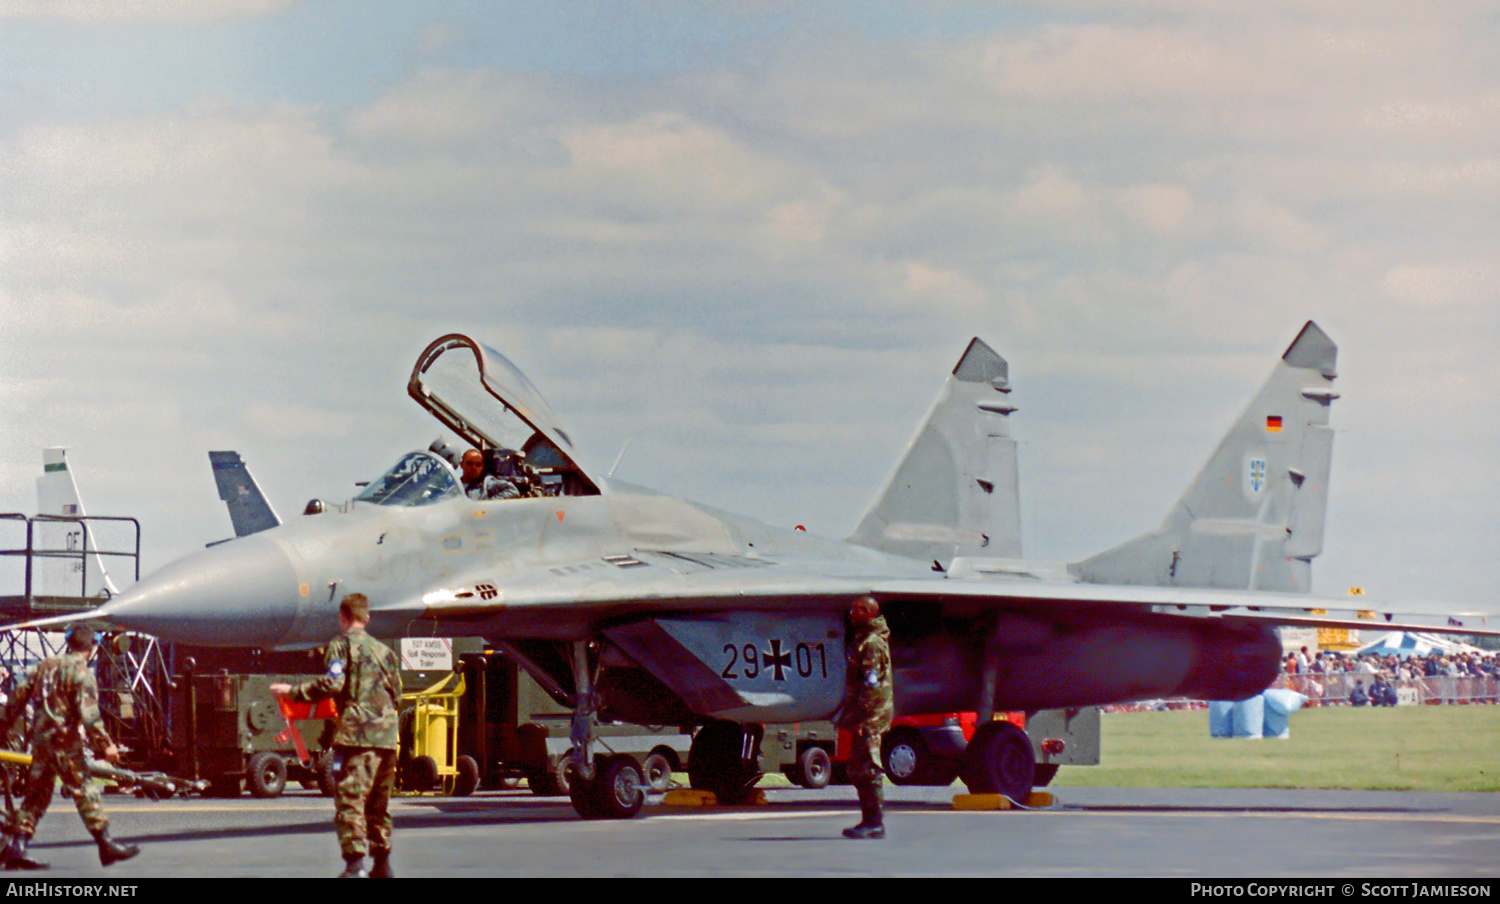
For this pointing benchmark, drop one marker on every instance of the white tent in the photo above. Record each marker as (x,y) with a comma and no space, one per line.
(1414,643)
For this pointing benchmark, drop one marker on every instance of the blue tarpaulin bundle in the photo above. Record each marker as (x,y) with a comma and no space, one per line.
(1280,704)
(1266,714)
(1221,719)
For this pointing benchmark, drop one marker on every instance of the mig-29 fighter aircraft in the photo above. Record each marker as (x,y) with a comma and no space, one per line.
(633,605)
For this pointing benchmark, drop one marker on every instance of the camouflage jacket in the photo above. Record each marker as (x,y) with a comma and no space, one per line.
(869,699)
(364,679)
(64,700)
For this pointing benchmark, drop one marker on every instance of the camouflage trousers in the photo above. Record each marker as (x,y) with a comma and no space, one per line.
(70,767)
(864,757)
(362,799)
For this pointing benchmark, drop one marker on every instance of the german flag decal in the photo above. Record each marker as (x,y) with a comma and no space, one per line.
(1273,423)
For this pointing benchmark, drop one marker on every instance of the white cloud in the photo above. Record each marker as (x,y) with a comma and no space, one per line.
(287,422)
(1102,62)
(947,286)
(1166,210)
(1443,285)
(1269,225)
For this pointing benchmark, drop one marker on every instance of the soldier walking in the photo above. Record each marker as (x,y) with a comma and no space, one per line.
(64,699)
(869,705)
(364,678)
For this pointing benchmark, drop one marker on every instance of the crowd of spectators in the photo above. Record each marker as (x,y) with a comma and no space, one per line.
(1376,679)
(1393,667)
(1333,678)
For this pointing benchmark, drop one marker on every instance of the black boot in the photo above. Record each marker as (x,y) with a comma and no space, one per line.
(382,864)
(871,824)
(15,855)
(111,851)
(354,867)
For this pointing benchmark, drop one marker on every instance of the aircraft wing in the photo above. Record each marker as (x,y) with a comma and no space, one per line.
(1246,606)
(710,628)
(643,582)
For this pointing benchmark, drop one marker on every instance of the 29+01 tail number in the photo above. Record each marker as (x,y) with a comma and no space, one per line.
(806,660)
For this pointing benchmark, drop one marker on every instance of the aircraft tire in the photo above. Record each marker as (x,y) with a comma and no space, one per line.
(265,774)
(1045,773)
(999,760)
(562,775)
(583,794)
(618,788)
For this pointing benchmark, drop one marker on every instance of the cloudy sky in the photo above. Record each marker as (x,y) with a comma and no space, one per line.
(751,239)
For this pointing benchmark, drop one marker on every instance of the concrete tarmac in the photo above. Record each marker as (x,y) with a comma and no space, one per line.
(1174,833)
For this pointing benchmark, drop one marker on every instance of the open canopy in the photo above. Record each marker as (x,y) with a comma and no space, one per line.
(480,395)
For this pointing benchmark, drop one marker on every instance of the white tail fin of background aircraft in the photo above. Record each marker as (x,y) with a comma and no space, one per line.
(1253,517)
(955,493)
(65,576)
(249,511)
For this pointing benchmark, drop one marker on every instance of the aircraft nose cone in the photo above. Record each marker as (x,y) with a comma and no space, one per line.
(240,594)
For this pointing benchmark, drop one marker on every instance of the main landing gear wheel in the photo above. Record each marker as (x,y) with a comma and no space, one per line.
(999,760)
(617,790)
(717,761)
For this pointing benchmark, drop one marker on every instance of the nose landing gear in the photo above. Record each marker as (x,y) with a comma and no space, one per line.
(611,787)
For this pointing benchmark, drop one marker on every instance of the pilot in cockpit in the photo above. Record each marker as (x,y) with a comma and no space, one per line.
(481,485)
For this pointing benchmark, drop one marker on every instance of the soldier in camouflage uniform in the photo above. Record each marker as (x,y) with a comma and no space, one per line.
(869,706)
(364,678)
(64,701)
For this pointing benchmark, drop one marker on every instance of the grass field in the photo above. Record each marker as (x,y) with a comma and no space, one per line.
(1408,748)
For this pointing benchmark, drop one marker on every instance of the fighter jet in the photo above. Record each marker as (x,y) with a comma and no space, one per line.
(634,605)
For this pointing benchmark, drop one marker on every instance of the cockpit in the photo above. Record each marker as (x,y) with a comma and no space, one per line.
(419,478)
(484,398)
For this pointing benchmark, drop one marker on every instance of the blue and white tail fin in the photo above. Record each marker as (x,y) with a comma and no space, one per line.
(955,492)
(74,570)
(1253,517)
(249,511)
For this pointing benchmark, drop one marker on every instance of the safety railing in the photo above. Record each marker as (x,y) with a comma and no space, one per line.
(76,543)
(1334,688)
